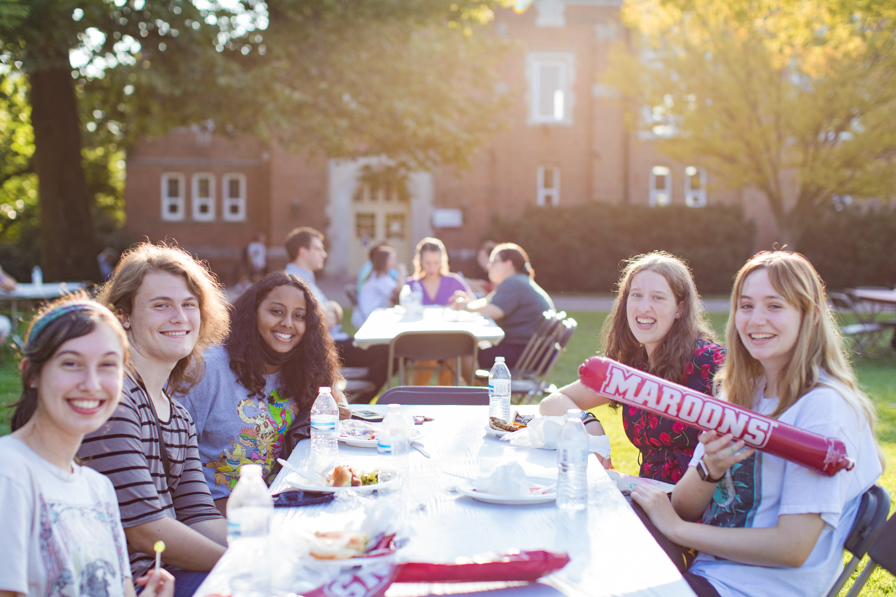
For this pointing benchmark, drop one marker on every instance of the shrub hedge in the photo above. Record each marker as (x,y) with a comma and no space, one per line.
(852,247)
(580,248)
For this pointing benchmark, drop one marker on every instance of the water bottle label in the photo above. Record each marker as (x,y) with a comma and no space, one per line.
(500,387)
(384,447)
(233,530)
(326,425)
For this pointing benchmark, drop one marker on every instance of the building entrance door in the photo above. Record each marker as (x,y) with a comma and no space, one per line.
(379,213)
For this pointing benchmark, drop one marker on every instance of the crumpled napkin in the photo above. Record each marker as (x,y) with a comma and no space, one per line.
(543,432)
(507,479)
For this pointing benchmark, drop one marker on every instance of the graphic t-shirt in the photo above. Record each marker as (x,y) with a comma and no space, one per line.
(61,536)
(757,491)
(234,428)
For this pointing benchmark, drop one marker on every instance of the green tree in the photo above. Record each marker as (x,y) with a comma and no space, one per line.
(412,81)
(793,98)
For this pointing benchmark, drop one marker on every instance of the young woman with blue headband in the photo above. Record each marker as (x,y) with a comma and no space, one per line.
(63,534)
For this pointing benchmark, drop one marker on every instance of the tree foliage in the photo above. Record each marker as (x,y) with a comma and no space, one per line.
(793,98)
(412,81)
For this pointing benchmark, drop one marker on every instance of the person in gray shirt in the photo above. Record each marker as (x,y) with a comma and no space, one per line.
(516,304)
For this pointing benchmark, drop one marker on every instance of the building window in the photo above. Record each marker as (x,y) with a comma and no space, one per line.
(695,186)
(548,186)
(550,78)
(660,186)
(234,197)
(172,196)
(203,197)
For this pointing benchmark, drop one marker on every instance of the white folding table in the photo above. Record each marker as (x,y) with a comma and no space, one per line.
(384,324)
(611,552)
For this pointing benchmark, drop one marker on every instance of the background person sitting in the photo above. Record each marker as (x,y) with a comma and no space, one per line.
(364,273)
(380,288)
(516,304)
(481,287)
(439,285)
(254,403)
(7,283)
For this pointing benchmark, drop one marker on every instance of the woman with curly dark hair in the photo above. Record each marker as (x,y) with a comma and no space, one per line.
(254,403)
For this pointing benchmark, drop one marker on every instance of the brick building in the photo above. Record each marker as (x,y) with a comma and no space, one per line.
(565,144)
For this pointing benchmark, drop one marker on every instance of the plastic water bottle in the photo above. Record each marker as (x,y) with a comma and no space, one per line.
(572,463)
(324,430)
(37,275)
(249,512)
(394,442)
(404,297)
(417,297)
(499,390)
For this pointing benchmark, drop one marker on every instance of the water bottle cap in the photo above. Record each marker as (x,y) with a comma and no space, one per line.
(574,412)
(394,407)
(325,390)
(250,470)
(499,359)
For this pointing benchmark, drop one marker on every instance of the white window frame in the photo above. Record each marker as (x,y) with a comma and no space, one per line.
(548,196)
(656,194)
(198,201)
(561,110)
(228,201)
(695,197)
(168,201)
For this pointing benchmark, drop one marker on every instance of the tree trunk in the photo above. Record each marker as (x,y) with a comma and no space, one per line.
(67,239)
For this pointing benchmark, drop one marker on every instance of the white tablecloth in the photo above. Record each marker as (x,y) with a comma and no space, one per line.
(384,324)
(611,552)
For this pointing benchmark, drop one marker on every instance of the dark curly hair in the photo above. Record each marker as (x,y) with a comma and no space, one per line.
(316,363)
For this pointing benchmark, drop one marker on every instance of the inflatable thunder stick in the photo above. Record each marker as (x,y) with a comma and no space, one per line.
(627,385)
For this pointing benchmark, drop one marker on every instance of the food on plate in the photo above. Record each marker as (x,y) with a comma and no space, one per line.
(347,476)
(339,545)
(501,425)
(521,419)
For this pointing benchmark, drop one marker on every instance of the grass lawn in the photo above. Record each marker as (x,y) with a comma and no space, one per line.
(878,378)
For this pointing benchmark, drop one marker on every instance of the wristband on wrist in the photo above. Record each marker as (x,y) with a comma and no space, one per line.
(588,417)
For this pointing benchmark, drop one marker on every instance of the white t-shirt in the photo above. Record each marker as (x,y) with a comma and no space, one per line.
(62,534)
(763,487)
(376,293)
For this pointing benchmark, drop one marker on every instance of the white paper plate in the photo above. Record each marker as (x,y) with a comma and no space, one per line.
(352,562)
(371,443)
(469,489)
(294,480)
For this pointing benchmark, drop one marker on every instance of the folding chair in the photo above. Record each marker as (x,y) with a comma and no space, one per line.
(869,520)
(527,366)
(882,553)
(408,347)
(865,333)
(538,384)
(473,395)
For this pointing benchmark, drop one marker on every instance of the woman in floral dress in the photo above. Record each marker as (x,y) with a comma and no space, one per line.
(658,325)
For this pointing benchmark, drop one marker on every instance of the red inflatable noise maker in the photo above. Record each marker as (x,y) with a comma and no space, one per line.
(627,385)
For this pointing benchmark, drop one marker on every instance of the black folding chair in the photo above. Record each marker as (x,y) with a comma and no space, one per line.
(474,395)
(870,518)
(882,553)
(538,384)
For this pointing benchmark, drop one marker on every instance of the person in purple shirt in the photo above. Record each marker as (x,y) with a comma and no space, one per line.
(432,275)
(439,285)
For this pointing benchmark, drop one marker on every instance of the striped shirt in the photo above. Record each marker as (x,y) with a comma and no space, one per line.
(126,449)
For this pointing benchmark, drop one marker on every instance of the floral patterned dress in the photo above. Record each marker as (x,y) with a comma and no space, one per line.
(666,446)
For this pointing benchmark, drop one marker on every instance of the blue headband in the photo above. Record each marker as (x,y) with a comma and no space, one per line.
(47,318)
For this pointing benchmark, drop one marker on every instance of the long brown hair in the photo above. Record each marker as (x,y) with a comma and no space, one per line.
(64,319)
(675,351)
(315,364)
(819,345)
(119,292)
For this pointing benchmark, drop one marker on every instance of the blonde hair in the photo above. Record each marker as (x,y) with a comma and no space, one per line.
(119,292)
(430,245)
(677,348)
(819,345)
